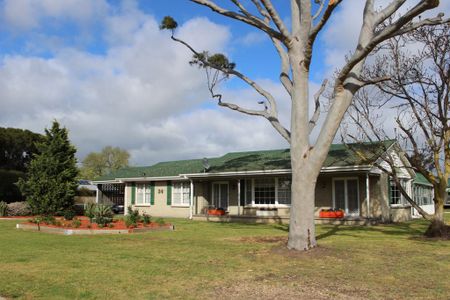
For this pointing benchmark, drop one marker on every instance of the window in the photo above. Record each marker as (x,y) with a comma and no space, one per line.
(143,194)
(181,193)
(346,195)
(265,191)
(284,191)
(395,196)
(423,195)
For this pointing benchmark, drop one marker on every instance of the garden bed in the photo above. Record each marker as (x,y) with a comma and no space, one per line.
(85,227)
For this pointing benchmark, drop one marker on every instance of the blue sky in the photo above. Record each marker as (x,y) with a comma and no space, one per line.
(106,72)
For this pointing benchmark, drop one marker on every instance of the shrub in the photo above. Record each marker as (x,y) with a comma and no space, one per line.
(19,209)
(3,209)
(103,215)
(160,221)
(89,210)
(133,217)
(146,219)
(76,223)
(69,214)
(129,223)
(49,219)
(110,225)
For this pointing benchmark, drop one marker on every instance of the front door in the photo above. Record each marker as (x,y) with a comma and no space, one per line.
(345,195)
(220,195)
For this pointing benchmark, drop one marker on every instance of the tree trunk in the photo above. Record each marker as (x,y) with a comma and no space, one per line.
(302,235)
(438,228)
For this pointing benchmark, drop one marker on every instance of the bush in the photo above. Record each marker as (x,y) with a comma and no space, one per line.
(3,209)
(76,223)
(103,215)
(19,209)
(69,214)
(146,219)
(89,210)
(49,219)
(133,217)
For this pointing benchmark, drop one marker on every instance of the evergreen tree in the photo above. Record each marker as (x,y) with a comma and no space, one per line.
(51,182)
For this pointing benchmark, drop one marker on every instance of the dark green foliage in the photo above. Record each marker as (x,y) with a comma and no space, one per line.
(146,219)
(89,210)
(3,209)
(17,147)
(49,219)
(51,184)
(133,217)
(218,60)
(9,191)
(19,209)
(103,215)
(69,214)
(168,23)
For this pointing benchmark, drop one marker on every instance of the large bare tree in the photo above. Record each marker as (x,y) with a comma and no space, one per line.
(294,45)
(416,92)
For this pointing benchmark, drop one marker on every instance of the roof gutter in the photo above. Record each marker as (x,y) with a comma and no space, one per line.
(275,172)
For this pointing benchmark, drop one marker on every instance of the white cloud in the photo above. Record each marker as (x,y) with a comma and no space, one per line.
(252,38)
(141,95)
(341,33)
(27,14)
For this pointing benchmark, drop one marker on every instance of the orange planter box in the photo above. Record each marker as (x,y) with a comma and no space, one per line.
(216,212)
(331,214)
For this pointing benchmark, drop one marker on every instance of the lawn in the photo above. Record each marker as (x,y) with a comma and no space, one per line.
(220,260)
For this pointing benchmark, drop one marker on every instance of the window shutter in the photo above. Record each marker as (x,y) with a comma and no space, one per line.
(133,193)
(169,192)
(389,190)
(152,193)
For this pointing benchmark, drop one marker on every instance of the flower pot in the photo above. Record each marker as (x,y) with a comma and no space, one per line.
(331,214)
(216,212)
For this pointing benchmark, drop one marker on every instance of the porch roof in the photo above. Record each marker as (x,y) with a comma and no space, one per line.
(339,156)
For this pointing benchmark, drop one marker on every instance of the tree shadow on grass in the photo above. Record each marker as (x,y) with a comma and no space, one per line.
(408,229)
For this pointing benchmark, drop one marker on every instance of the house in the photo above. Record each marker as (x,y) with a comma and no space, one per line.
(255,186)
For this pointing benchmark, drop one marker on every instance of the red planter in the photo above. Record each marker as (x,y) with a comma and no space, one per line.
(331,214)
(216,212)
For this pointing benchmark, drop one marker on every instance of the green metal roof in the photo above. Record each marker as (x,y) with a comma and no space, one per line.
(339,155)
(420,179)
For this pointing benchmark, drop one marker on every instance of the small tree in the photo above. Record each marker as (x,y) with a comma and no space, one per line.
(96,164)
(51,179)
(416,89)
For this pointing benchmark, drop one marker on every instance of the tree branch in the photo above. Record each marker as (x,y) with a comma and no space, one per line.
(316,114)
(276,18)
(250,20)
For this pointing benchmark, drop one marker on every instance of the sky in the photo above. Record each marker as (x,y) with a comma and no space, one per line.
(105,71)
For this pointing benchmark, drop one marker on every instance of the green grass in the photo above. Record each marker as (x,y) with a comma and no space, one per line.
(204,260)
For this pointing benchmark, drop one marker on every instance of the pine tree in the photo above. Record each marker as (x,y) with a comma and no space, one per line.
(51,180)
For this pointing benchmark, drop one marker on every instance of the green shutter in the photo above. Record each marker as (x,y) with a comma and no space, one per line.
(389,190)
(169,192)
(133,193)
(152,193)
